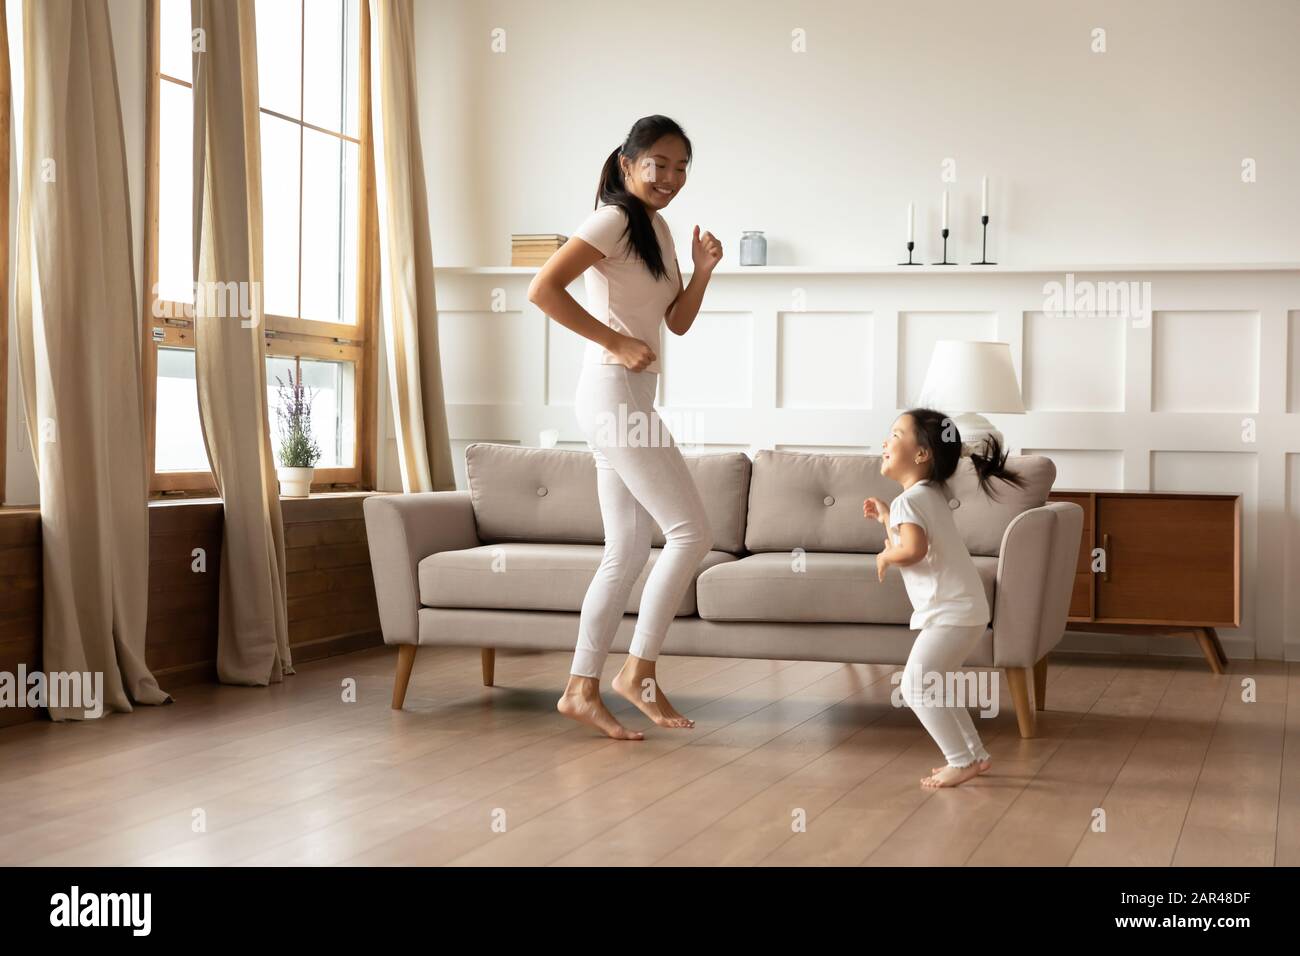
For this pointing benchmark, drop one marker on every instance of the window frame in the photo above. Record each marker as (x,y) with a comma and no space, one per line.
(284,336)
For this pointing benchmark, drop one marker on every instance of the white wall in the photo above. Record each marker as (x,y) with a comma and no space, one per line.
(1128,156)
(1131,156)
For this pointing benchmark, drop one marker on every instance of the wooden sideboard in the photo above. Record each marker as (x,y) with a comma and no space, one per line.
(1172,565)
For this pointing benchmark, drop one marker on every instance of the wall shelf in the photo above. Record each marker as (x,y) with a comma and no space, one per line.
(730,271)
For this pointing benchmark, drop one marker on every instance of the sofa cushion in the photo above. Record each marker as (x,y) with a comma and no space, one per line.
(549,494)
(982,519)
(814,502)
(529,577)
(830,588)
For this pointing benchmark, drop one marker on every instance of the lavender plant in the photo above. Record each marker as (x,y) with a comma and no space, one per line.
(298,449)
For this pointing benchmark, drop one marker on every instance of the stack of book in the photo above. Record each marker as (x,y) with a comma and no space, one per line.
(533,249)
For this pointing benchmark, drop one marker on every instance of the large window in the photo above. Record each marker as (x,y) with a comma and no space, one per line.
(310,77)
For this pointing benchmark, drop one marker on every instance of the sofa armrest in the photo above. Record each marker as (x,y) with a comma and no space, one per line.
(1036,567)
(402,530)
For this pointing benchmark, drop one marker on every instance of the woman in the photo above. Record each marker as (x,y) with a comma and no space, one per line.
(633,285)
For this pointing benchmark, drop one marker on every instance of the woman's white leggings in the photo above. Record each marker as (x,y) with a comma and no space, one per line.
(640,476)
(941,651)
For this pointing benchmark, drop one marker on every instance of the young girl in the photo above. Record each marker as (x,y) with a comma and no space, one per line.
(948,603)
(626,254)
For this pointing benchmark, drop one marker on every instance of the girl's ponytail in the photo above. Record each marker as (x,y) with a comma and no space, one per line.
(938,434)
(993,464)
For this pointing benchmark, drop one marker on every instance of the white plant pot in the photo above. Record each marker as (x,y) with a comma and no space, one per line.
(295,482)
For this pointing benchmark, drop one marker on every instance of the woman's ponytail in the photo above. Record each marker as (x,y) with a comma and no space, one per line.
(993,464)
(611,186)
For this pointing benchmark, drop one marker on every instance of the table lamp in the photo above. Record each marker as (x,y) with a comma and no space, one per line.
(968,378)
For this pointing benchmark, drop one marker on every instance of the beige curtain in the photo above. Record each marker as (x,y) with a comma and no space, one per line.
(79,353)
(405,254)
(253,629)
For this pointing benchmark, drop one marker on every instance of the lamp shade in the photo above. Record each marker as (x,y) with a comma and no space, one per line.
(971,377)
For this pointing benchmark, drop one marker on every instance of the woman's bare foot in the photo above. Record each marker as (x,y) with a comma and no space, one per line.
(950,776)
(581,702)
(637,682)
(982,765)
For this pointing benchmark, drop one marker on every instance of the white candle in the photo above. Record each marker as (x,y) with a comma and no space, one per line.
(911,222)
(945,209)
(984,199)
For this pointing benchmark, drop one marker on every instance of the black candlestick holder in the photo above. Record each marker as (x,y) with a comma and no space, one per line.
(984,248)
(945,252)
(910,246)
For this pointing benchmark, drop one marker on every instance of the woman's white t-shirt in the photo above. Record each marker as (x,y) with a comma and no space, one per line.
(944,587)
(621,292)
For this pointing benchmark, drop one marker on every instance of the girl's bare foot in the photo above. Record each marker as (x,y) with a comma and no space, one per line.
(637,682)
(981,764)
(950,777)
(581,702)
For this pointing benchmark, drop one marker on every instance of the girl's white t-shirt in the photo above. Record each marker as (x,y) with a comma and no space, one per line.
(944,587)
(620,290)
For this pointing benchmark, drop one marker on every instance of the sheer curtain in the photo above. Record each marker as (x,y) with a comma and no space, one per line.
(79,357)
(230,351)
(406,282)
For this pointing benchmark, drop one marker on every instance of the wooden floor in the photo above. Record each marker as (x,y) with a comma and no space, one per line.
(1184,771)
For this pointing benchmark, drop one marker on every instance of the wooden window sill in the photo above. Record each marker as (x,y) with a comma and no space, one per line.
(213,500)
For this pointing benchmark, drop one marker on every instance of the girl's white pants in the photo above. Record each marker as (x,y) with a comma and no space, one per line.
(941,650)
(641,478)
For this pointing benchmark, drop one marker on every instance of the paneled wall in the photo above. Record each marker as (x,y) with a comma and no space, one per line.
(1204,395)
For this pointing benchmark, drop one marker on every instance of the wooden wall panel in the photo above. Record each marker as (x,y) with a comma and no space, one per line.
(331,594)
(332,605)
(20,598)
(181,641)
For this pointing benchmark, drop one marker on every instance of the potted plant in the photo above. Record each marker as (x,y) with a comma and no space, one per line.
(298,449)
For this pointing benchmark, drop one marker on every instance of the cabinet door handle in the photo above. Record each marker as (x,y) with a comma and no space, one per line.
(1105,552)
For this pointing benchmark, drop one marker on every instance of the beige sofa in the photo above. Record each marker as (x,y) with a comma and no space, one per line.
(791,575)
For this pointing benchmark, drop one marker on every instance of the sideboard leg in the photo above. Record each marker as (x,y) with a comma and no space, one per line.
(1208,649)
(1040,684)
(1018,678)
(1223,656)
(1208,638)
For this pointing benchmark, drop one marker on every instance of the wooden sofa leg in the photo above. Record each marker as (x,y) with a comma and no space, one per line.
(405,661)
(489,665)
(1018,678)
(1040,684)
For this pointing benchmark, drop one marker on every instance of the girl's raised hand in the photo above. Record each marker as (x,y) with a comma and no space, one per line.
(874,509)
